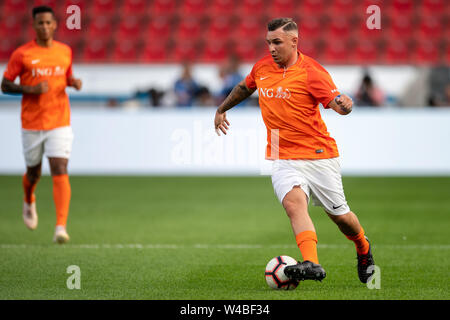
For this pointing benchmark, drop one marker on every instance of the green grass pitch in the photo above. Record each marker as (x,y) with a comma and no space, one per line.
(211,237)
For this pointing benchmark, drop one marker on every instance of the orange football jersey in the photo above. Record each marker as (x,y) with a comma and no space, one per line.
(289,101)
(34,64)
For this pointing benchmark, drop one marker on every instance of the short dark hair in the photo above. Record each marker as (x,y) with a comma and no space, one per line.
(42,9)
(288,24)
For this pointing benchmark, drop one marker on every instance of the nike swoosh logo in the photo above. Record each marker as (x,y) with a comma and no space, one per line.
(334,207)
(263,78)
(35,61)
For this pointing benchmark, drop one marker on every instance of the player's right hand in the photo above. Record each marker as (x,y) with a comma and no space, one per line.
(40,88)
(221,123)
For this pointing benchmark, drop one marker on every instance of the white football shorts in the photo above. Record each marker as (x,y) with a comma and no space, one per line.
(55,143)
(320,180)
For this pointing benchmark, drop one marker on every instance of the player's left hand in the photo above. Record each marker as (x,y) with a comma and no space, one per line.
(76,83)
(221,123)
(344,102)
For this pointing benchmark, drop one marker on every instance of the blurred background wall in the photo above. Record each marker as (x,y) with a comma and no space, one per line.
(153,72)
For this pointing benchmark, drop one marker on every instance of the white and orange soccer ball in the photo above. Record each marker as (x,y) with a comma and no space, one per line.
(275,277)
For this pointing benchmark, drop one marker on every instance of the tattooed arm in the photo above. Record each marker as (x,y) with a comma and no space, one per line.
(239,93)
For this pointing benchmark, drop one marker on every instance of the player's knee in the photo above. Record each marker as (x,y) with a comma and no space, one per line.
(342,219)
(294,207)
(289,206)
(58,167)
(33,176)
(58,170)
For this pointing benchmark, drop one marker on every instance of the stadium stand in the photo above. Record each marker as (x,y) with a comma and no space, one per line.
(412,31)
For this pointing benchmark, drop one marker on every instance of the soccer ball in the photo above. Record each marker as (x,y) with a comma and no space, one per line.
(275,277)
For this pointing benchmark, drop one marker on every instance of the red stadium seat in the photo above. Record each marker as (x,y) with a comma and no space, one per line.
(7,46)
(129,28)
(430,28)
(282,8)
(311,8)
(100,27)
(185,51)
(188,28)
(195,8)
(215,51)
(251,8)
(402,7)
(434,8)
(222,8)
(247,51)
(310,48)
(433,5)
(401,28)
(96,50)
(365,53)
(341,8)
(16,7)
(426,53)
(158,28)
(103,8)
(49,3)
(250,28)
(134,7)
(163,8)
(219,27)
(447,55)
(396,52)
(309,29)
(338,28)
(336,52)
(28,33)
(154,52)
(125,52)
(10,25)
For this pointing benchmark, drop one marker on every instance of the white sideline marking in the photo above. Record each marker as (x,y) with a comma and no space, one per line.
(214,246)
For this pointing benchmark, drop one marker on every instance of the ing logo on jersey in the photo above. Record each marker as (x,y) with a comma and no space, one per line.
(47,72)
(279,93)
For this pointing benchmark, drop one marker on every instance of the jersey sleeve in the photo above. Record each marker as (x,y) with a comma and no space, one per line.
(250,79)
(14,67)
(321,86)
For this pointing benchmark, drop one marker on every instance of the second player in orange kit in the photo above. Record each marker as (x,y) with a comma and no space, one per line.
(44,67)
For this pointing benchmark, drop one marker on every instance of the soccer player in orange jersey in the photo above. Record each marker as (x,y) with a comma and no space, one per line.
(45,70)
(306,160)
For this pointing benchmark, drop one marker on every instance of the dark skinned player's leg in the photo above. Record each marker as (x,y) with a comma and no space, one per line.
(61,196)
(29,182)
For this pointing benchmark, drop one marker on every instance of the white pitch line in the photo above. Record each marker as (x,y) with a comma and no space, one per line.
(214,246)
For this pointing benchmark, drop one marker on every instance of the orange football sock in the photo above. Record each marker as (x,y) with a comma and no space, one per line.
(28,189)
(362,246)
(61,197)
(307,243)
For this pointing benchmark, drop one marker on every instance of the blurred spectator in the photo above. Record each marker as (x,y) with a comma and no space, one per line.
(439,87)
(231,76)
(368,94)
(112,103)
(185,88)
(204,98)
(155,97)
